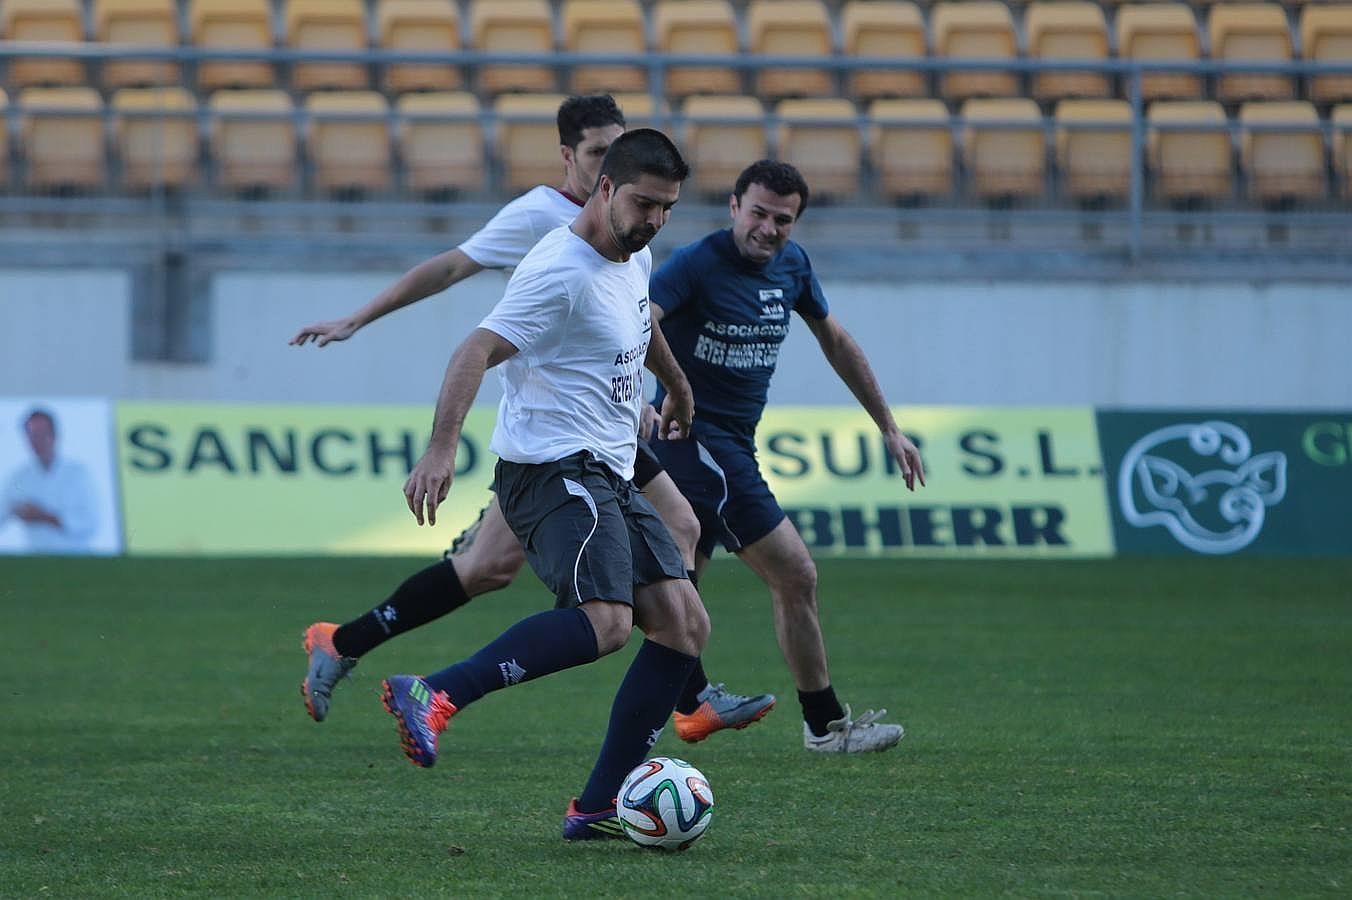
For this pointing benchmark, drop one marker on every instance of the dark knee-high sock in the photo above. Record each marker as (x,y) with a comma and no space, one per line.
(423,596)
(546,642)
(689,699)
(820,707)
(641,707)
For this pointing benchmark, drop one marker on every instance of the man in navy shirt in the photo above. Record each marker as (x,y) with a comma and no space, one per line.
(724,303)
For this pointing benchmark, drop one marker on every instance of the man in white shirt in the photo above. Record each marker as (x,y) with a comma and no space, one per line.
(488,557)
(570,338)
(52,496)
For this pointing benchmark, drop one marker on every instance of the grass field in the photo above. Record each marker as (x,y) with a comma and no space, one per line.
(1122,728)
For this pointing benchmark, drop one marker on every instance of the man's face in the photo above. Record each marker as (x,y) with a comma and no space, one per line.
(762,221)
(583,162)
(41,437)
(637,211)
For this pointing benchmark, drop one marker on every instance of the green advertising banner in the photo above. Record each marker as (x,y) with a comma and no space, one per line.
(1011,482)
(1274,484)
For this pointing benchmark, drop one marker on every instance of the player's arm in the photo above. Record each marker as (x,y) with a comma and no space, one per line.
(430,480)
(845,355)
(431,276)
(678,407)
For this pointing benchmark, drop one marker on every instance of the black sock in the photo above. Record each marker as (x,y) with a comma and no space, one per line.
(694,579)
(698,681)
(424,596)
(820,707)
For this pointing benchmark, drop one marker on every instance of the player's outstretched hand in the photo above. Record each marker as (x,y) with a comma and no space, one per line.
(677,414)
(908,457)
(322,333)
(428,484)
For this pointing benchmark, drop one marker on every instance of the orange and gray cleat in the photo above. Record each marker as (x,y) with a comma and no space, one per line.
(326,669)
(719,708)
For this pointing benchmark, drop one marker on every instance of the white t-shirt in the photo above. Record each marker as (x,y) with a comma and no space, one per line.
(581,324)
(518,226)
(67,491)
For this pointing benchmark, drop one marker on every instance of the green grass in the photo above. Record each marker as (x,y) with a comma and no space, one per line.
(1125,728)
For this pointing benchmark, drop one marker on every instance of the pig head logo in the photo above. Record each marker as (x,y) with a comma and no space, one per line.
(1201,482)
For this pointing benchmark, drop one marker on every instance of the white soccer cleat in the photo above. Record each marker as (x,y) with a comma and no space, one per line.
(862,735)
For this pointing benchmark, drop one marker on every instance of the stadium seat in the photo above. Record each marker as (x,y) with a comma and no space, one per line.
(156,134)
(1004,149)
(911,148)
(42,21)
(639,111)
(513,26)
(232,25)
(1093,148)
(704,27)
(722,136)
(1250,32)
(5,167)
(978,29)
(1067,30)
(441,142)
(147,23)
(821,137)
(1341,119)
(419,26)
(253,141)
(605,26)
(63,138)
(1326,36)
(327,25)
(348,142)
(1283,165)
(1160,31)
(790,28)
(893,28)
(1189,150)
(528,140)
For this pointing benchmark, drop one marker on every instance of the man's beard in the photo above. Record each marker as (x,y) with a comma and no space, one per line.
(633,240)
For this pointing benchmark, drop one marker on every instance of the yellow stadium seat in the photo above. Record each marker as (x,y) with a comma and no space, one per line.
(1326,36)
(697,27)
(420,26)
(513,26)
(528,140)
(42,21)
(639,111)
(156,134)
(232,25)
(441,142)
(1160,31)
(791,28)
(821,137)
(891,28)
(605,26)
(1004,157)
(147,23)
(1254,32)
(979,29)
(1093,148)
(253,140)
(722,136)
(911,148)
(348,142)
(327,25)
(1193,159)
(62,137)
(1282,165)
(1067,30)
(1341,119)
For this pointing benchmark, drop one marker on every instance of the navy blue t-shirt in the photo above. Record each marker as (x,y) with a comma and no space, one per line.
(725,318)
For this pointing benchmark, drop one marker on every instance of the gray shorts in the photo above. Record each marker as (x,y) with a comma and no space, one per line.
(588,534)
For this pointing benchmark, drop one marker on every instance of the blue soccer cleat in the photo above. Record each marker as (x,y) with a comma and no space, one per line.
(422,714)
(580,826)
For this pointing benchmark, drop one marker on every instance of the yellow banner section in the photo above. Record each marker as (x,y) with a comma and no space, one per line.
(1008,482)
(219,479)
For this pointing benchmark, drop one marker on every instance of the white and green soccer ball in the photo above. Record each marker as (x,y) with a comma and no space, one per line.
(665,803)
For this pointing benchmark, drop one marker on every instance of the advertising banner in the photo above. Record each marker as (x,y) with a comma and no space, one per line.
(1273,484)
(58,490)
(1004,483)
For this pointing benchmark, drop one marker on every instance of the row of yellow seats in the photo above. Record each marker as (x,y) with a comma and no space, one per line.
(884,28)
(911,146)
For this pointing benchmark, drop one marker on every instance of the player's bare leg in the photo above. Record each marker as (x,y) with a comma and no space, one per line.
(489,557)
(676,514)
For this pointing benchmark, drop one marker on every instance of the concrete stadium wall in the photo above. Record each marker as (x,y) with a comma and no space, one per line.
(1145,343)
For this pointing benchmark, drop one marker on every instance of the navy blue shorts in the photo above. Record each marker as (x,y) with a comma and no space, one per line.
(717,472)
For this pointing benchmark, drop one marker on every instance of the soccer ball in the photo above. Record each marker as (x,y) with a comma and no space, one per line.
(666,803)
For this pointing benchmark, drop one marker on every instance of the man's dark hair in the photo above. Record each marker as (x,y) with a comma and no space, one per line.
(776,177)
(591,111)
(643,151)
(38,412)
